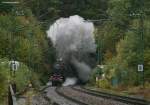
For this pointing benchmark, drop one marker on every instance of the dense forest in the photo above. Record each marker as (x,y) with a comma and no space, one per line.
(122,29)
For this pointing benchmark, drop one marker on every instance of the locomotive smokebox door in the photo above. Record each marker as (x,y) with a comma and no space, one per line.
(57,74)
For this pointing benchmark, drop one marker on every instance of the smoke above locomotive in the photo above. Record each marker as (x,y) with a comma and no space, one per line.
(74,41)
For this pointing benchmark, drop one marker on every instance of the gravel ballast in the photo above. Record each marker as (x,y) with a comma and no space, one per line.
(57,99)
(88,99)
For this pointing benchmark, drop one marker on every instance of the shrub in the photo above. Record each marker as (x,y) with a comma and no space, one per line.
(104,83)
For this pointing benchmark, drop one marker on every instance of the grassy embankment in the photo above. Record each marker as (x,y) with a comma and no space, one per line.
(22,77)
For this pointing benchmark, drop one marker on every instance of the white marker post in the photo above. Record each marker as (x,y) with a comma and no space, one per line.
(140,67)
(14,65)
(141,70)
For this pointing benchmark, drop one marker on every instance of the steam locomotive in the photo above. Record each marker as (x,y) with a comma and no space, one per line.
(57,76)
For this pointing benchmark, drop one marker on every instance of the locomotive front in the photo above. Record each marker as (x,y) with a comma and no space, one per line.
(57,77)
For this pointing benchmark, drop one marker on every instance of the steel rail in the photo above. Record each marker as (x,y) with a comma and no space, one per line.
(124,99)
(57,90)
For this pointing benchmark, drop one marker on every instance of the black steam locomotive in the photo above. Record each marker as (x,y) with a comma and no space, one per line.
(57,76)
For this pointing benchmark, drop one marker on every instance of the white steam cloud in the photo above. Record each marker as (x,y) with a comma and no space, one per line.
(70,81)
(73,39)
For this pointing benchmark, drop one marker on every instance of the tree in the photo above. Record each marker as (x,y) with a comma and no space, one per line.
(126,50)
(5,8)
(24,40)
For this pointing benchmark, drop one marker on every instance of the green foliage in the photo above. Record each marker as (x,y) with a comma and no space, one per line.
(5,8)
(107,35)
(129,49)
(96,72)
(4,75)
(50,10)
(120,41)
(23,40)
(147,64)
(104,83)
(124,64)
(22,77)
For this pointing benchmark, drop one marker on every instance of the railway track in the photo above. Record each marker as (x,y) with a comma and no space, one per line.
(56,99)
(85,98)
(124,99)
(68,97)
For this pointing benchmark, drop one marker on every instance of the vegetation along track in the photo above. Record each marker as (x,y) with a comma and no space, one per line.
(124,99)
(82,98)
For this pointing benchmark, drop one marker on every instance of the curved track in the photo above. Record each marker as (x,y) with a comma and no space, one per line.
(124,99)
(85,98)
(57,99)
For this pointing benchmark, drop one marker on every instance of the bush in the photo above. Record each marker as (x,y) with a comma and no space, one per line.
(97,72)
(22,77)
(147,85)
(104,83)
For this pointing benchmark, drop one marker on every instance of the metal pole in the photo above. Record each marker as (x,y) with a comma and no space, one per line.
(142,44)
(30,54)
(100,53)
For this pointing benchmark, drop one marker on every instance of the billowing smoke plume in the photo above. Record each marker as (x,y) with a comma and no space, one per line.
(83,70)
(74,42)
(70,81)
